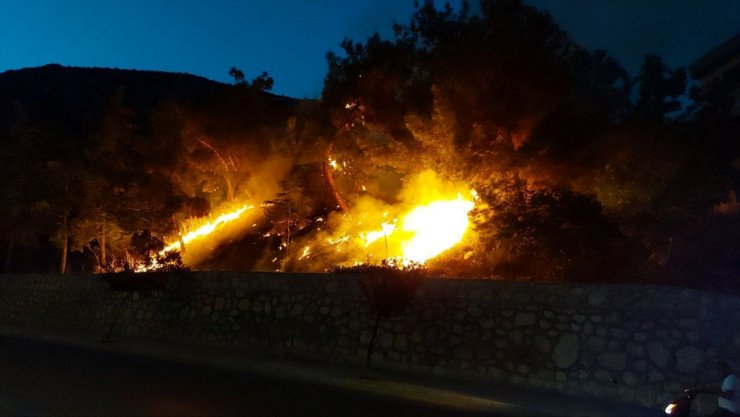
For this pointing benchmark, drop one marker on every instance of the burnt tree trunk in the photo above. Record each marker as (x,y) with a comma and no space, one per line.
(229,166)
(179,234)
(102,244)
(229,187)
(9,254)
(116,316)
(14,230)
(329,174)
(65,229)
(372,340)
(65,246)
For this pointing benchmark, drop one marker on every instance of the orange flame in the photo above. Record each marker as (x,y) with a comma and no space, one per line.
(431,218)
(208,227)
(436,227)
(199,230)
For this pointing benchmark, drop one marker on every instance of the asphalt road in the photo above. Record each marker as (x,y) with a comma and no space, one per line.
(41,378)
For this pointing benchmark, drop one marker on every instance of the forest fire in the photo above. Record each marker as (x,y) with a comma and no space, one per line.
(431,218)
(206,227)
(436,227)
(585,170)
(198,229)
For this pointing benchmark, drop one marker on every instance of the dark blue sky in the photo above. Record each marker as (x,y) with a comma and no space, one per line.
(289,38)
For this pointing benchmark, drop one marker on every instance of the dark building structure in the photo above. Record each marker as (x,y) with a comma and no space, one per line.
(721,67)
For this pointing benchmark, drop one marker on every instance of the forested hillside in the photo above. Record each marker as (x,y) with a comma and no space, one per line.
(526,155)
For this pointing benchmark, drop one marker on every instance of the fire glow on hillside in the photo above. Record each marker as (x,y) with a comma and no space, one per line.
(205,228)
(197,230)
(431,218)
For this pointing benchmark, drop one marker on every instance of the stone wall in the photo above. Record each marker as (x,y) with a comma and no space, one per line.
(634,344)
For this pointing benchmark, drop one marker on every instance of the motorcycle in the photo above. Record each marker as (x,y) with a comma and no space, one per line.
(681,406)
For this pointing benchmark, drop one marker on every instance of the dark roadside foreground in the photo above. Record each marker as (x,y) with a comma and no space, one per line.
(76,374)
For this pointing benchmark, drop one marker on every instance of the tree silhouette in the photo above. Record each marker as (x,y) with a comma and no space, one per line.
(237,74)
(659,89)
(263,82)
(390,290)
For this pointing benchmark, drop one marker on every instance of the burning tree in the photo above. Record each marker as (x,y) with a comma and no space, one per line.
(459,86)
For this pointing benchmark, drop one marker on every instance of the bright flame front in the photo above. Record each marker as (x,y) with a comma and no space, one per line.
(207,227)
(430,217)
(436,227)
(198,230)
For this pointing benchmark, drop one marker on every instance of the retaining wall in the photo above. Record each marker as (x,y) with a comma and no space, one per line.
(634,344)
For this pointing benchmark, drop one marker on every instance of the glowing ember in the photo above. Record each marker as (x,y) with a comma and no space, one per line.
(333,163)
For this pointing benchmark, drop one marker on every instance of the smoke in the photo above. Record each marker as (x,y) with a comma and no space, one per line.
(263,184)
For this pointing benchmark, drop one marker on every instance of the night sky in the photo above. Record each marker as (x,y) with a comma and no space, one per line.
(289,38)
